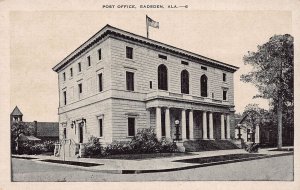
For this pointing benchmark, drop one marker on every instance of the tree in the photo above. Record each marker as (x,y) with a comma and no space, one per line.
(17,129)
(273,74)
(255,116)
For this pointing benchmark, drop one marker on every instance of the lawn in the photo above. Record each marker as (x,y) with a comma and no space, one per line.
(145,156)
(220,158)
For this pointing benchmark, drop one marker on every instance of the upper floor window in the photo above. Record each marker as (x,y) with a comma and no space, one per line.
(89,60)
(203,68)
(71,72)
(225,94)
(65,97)
(224,77)
(184,62)
(99,54)
(100,82)
(162,56)
(79,90)
(162,77)
(203,83)
(185,82)
(129,52)
(64,76)
(131,126)
(79,67)
(129,81)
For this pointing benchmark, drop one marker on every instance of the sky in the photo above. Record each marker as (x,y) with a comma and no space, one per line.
(41,39)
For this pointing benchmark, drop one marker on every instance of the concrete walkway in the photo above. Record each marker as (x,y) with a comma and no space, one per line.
(154,164)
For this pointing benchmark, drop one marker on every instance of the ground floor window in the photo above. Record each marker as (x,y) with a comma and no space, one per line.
(65,133)
(131,126)
(101,127)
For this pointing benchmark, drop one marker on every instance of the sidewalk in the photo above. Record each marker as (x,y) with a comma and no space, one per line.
(156,164)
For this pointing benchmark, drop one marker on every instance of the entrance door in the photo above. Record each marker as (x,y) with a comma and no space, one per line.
(80,133)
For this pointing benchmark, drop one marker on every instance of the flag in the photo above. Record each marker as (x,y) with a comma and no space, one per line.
(151,22)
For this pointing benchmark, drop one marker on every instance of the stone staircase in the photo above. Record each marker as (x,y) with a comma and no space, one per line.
(207,145)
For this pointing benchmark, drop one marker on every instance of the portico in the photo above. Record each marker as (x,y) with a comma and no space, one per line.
(197,120)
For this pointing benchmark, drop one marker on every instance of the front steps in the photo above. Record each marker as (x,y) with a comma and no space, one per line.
(207,145)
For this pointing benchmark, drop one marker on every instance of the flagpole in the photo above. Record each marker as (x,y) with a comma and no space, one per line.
(147,26)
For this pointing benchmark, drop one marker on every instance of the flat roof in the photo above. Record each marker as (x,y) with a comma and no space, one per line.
(111,31)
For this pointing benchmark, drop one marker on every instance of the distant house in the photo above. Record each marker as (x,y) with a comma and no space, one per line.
(244,130)
(42,130)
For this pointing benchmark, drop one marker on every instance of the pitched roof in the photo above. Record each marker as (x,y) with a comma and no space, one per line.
(28,138)
(47,129)
(16,112)
(110,31)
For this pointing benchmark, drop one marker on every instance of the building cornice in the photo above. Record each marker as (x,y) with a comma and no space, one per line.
(109,31)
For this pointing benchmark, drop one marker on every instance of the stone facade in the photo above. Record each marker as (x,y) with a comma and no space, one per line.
(104,110)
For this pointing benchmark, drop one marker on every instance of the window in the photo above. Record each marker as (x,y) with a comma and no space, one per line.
(203,85)
(101,127)
(65,97)
(99,54)
(162,77)
(129,81)
(129,52)
(89,60)
(131,126)
(71,72)
(79,67)
(65,133)
(80,89)
(224,94)
(224,77)
(184,63)
(100,82)
(162,56)
(150,84)
(163,124)
(203,68)
(64,76)
(185,82)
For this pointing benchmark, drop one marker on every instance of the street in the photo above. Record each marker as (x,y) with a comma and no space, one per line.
(276,168)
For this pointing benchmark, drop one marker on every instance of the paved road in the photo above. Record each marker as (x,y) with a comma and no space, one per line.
(277,168)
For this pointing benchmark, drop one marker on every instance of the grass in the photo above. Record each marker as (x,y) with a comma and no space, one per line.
(144,156)
(221,158)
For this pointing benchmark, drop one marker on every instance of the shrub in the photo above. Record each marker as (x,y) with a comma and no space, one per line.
(38,148)
(168,146)
(49,145)
(29,148)
(144,141)
(93,147)
(118,147)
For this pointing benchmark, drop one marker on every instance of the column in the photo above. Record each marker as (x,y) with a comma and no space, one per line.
(228,126)
(158,122)
(222,127)
(191,124)
(211,126)
(168,123)
(204,121)
(183,125)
